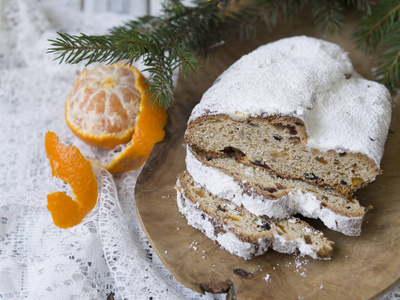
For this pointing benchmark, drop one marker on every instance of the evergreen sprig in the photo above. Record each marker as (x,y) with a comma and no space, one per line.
(182,35)
(373,28)
(164,43)
(328,15)
(389,64)
(381,29)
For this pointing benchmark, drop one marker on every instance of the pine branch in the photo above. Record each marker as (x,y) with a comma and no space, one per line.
(184,34)
(389,64)
(164,43)
(381,30)
(161,71)
(372,29)
(78,48)
(187,61)
(328,15)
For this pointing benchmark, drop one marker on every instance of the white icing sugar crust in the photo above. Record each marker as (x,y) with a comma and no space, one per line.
(230,242)
(297,201)
(310,79)
(280,244)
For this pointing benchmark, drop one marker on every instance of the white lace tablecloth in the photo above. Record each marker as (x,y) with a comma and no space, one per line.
(108,252)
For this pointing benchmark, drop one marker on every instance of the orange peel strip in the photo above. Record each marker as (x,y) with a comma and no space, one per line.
(68,164)
(149,130)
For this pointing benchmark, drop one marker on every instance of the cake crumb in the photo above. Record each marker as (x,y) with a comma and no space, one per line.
(267,277)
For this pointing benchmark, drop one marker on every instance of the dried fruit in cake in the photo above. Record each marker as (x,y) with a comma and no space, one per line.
(243,233)
(69,165)
(107,107)
(265,194)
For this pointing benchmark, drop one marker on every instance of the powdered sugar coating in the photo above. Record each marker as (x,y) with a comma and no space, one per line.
(313,80)
(230,242)
(280,244)
(227,239)
(295,202)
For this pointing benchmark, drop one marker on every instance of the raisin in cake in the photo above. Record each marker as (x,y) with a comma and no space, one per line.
(297,108)
(242,233)
(265,194)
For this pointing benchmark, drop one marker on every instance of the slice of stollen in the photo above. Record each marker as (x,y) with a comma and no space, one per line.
(242,233)
(265,194)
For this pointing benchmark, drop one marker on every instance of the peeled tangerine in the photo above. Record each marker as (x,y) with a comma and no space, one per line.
(70,165)
(107,107)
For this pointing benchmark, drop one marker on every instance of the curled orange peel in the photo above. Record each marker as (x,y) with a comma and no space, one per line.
(149,131)
(69,165)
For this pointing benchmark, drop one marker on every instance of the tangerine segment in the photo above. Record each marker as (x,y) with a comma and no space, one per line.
(149,130)
(68,164)
(103,105)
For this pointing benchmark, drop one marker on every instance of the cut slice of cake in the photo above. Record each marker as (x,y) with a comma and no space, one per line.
(243,233)
(297,108)
(265,194)
(289,128)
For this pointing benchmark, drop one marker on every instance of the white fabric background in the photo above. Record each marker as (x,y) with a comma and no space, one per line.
(108,252)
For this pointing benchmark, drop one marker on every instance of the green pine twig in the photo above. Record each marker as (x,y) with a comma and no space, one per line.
(163,43)
(328,15)
(381,31)
(371,29)
(388,70)
(183,35)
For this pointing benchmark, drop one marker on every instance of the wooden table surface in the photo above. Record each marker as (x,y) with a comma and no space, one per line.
(361,267)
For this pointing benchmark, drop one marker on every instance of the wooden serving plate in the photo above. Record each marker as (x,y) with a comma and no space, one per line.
(361,267)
